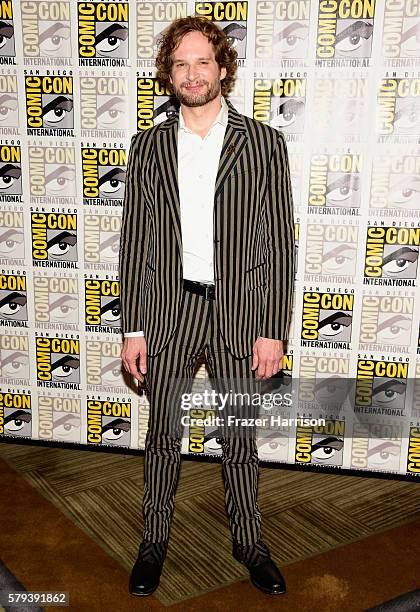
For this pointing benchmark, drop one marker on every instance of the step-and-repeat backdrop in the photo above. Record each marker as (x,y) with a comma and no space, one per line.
(341,79)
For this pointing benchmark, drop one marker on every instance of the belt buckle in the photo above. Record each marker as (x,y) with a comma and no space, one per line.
(206,294)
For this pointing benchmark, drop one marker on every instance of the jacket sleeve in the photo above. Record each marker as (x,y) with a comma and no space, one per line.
(132,258)
(280,247)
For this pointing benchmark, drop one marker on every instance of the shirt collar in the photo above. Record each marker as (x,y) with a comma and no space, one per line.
(221,118)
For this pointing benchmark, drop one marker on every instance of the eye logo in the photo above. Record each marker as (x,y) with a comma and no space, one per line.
(392,253)
(103,33)
(320,444)
(345,32)
(281,103)
(327,319)
(376,446)
(102,304)
(109,422)
(104,174)
(7,31)
(54,239)
(154,103)
(231,17)
(46,30)
(15,414)
(58,362)
(13,300)
(401,30)
(49,105)
(381,384)
(10,179)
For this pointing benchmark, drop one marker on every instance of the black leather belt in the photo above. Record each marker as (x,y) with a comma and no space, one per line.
(206,291)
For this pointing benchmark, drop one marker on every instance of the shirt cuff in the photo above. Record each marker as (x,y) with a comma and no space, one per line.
(133,334)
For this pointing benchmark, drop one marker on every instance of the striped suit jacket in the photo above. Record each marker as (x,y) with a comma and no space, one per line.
(253,236)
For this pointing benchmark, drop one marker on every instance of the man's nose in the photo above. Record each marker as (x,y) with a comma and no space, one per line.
(192,72)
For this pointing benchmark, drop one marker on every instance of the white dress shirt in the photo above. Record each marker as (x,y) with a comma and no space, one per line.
(198,162)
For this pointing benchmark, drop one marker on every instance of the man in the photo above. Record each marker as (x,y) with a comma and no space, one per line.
(206,263)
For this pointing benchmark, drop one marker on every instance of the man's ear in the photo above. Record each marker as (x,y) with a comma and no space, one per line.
(223,73)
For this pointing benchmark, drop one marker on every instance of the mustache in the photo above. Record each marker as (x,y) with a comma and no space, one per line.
(189,83)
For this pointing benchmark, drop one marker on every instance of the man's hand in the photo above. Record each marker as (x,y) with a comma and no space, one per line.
(267,357)
(135,350)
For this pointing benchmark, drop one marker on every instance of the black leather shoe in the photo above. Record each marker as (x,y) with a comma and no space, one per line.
(267,577)
(145,575)
(263,572)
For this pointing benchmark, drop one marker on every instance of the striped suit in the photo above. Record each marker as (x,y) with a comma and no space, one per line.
(254,274)
(253,236)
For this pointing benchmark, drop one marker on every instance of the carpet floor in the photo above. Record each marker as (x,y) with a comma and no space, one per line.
(74,522)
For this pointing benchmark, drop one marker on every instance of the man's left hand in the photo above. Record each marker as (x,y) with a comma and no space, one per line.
(267,357)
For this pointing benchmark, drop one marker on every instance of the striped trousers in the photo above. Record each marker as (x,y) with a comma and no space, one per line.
(197,331)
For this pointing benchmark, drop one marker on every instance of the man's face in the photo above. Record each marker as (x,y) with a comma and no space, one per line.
(195,74)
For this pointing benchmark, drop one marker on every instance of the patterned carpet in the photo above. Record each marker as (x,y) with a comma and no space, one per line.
(303,513)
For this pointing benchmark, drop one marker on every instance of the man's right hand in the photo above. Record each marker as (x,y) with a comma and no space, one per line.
(134,356)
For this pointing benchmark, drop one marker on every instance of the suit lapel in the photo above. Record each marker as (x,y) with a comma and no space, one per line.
(233,146)
(166,155)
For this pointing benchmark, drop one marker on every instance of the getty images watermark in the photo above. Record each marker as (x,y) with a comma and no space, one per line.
(210,399)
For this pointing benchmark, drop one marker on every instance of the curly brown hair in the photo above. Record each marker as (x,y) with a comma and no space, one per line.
(171,37)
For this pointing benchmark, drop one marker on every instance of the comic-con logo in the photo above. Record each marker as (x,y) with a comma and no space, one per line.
(15,414)
(102,241)
(345,30)
(104,106)
(103,33)
(52,174)
(327,319)
(7,33)
(380,387)
(9,108)
(103,366)
(109,422)
(46,31)
(54,239)
(12,244)
(57,362)
(198,441)
(56,300)
(13,300)
(102,305)
(151,18)
(49,105)
(334,182)
(413,455)
(282,29)
(323,382)
(320,444)
(59,418)
(154,103)
(340,109)
(394,183)
(104,173)
(14,359)
(376,446)
(331,252)
(386,323)
(398,109)
(280,103)
(400,29)
(231,17)
(391,256)
(10,173)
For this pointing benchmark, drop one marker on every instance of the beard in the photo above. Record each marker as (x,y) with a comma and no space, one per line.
(194,99)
